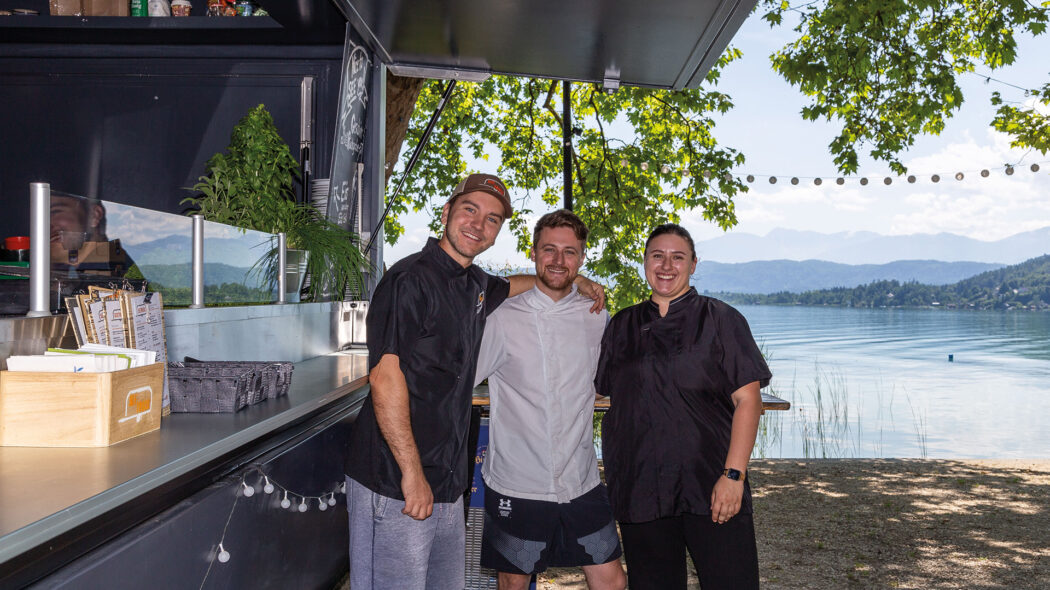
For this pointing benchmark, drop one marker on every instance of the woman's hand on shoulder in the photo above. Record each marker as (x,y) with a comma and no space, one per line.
(591,290)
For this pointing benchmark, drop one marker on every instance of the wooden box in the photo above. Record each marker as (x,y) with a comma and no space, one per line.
(79,409)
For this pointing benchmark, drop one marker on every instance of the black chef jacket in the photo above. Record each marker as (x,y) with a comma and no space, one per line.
(666,436)
(430,311)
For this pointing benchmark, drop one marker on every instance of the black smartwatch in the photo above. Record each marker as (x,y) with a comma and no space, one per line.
(733,474)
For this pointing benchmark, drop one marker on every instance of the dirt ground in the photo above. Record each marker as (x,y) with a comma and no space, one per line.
(895,523)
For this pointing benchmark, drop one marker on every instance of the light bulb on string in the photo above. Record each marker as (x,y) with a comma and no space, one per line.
(224,555)
(686,173)
(936,178)
(772,180)
(322,505)
(302,506)
(707,174)
(959,176)
(985,173)
(665,169)
(794,180)
(286,503)
(911,179)
(623,162)
(817,181)
(331,500)
(864,181)
(887,181)
(1009,170)
(750,177)
(645,165)
(342,488)
(840,181)
(267,487)
(249,491)
(1035,168)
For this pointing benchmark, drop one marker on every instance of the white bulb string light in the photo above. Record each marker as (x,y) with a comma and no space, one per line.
(246,490)
(910,178)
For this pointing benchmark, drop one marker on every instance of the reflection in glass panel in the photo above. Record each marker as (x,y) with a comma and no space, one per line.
(235,265)
(95,242)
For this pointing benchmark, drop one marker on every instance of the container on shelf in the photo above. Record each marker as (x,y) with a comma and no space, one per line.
(79,409)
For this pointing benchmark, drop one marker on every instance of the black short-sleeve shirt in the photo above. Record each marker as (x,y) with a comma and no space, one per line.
(671,380)
(430,312)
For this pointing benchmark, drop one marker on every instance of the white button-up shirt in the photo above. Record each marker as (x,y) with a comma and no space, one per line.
(540,356)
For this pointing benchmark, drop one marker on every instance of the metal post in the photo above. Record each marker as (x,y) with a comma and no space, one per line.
(282,268)
(198,262)
(566,137)
(39,249)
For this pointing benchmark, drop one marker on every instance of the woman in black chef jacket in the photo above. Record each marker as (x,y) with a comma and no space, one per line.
(684,374)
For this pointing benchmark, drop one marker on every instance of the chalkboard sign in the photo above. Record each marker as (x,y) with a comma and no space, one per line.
(349,137)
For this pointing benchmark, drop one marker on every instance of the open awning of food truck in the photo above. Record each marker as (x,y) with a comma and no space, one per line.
(650,43)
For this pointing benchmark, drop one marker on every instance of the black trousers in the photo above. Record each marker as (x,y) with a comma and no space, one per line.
(724,555)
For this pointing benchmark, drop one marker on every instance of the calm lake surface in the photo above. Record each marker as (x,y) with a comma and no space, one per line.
(878,382)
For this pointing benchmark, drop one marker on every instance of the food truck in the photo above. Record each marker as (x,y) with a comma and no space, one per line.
(111,116)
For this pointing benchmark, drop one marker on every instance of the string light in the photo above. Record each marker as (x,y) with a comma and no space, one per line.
(1008,169)
(246,491)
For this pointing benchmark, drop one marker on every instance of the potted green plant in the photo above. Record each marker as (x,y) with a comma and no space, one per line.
(251,186)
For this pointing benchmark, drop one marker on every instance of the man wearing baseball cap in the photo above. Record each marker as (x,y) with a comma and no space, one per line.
(406,467)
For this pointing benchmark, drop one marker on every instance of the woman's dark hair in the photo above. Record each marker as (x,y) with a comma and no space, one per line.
(672,228)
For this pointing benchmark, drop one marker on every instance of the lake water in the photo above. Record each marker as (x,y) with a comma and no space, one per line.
(878,382)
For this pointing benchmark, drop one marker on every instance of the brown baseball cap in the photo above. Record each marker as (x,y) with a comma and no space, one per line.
(485,183)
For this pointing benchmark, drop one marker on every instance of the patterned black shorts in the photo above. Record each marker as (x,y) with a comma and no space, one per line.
(528,536)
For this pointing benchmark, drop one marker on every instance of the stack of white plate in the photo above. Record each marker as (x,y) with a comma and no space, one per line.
(319,194)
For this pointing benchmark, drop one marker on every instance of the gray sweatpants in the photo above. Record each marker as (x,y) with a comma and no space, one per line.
(389,550)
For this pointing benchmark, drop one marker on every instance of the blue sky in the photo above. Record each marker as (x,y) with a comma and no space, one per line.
(766,126)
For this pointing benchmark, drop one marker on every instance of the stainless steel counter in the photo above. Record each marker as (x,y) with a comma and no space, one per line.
(46,492)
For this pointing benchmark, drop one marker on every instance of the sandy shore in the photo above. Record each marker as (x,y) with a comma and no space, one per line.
(895,523)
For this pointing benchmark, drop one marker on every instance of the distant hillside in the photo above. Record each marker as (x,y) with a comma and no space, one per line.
(179,275)
(1021,286)
(771,276)
(871,248)
(179,249)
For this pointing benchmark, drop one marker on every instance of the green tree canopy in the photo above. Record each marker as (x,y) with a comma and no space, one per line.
(622,187)
(887,70)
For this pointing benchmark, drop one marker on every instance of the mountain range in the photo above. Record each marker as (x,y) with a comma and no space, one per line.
(871,248)
(771,276)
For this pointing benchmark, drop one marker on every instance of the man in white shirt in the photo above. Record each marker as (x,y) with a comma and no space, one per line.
(545,505)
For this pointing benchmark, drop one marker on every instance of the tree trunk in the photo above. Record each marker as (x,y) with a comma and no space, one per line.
(401,95)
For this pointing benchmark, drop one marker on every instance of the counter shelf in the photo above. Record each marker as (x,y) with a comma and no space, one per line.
(58,503)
